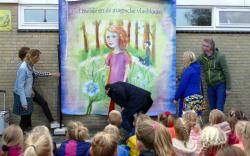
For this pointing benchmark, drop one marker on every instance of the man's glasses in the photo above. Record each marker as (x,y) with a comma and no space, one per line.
(204,45)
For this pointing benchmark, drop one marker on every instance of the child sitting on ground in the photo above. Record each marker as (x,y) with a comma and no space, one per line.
(168,121)
(218,119)
(44,130)
(132,140)
(239,130)
(153,139)
(182,144)
(191,121)
(212,140)
(233,117)
(103,144)
(12,141)
(246,138)
(39,143)
(230,151)
(113,130)
(75,143)
(115,118)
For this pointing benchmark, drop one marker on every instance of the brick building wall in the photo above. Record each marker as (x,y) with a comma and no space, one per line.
(46,42)
(235,46)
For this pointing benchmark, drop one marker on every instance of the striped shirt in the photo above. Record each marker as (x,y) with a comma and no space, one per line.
(40,74)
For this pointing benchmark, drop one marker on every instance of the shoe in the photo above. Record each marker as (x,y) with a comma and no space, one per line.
(55,124)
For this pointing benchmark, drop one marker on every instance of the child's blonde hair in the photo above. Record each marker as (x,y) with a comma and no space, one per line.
(12,135)
(189,58)
(104,144)
(213,136)
(212,139)
(41,130)
(122,35)
(140,118)
(190,119)
(77,131)
(230,150)
(39,143)
(115,118)
(181,131)
(113,130)
(166,119)
(155,136)
(246,137)
(239,129)
(216,116)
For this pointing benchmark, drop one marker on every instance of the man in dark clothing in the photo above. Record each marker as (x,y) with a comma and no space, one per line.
(131,99)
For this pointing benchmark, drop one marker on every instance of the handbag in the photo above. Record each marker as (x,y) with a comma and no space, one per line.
(195,102)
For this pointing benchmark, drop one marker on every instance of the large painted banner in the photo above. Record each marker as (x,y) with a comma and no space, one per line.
(5,20)
(105,41)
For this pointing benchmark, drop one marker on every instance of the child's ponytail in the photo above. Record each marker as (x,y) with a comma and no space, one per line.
(77,131)
(30,151)
(82,133)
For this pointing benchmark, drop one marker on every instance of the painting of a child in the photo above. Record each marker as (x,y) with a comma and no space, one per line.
(118,60)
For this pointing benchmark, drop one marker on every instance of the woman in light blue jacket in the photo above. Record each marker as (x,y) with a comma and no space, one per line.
(23,105)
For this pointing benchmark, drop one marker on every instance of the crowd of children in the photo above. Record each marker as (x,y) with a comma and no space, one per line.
(165,136)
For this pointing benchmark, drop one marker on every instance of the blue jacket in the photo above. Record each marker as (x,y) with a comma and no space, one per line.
(122,151)
(190,82)
(24,82)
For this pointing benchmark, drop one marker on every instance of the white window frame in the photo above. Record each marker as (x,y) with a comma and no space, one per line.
(215,21)
(35,25)
(201,28)
(9,1)
(45,2)
(217,10)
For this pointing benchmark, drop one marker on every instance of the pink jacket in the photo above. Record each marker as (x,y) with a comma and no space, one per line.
(196,137)
(232,138)
(181,150)
(224,126)
(14,150)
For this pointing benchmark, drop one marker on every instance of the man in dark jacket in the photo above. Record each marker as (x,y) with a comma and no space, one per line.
(217,75)
(131,99)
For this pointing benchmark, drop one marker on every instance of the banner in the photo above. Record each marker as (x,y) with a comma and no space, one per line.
(5,20)
(105,41)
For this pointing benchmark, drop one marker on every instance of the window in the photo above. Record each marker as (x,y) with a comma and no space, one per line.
(209,18)
(9,1)
(233,18)
(193,17)
(38,17)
